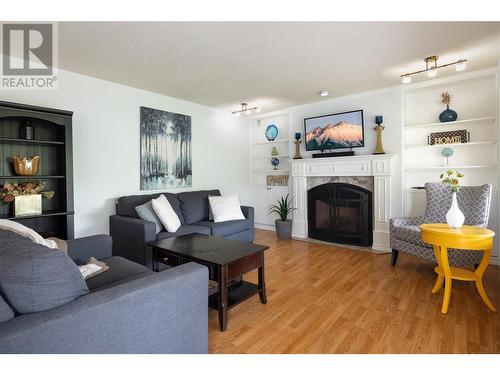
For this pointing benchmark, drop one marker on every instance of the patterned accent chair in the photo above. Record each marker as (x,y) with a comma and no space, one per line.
(474,202)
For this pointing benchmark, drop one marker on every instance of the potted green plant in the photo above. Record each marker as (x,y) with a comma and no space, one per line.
(283,208)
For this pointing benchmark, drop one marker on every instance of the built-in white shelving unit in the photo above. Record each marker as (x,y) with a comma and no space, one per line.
(262,194)
(271,142)
(475,99)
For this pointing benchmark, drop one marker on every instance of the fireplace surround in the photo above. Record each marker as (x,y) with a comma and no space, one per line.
(306,173)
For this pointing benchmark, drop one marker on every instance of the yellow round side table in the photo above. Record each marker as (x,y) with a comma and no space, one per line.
(442,237)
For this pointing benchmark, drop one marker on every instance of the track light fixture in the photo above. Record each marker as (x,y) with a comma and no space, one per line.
(431,68)
(246,110)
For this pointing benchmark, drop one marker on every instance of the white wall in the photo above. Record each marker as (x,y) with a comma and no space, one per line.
(106,143)
(387,102)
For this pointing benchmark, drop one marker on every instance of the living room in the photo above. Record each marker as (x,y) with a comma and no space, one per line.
(230,187)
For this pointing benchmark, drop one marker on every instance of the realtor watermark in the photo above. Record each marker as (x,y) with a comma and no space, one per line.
(29,56)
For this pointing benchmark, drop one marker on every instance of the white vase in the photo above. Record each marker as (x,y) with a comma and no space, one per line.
(455,218)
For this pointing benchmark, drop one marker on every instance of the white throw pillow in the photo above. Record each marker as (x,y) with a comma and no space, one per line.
(24,231)
(166,213)
(226,208)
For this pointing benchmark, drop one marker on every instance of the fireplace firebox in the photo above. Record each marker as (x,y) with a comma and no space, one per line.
(340,213)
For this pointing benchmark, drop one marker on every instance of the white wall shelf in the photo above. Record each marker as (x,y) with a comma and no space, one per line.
(450,145)
(270,142)
(450,123)
(450,167)
(272,156)
(282,171)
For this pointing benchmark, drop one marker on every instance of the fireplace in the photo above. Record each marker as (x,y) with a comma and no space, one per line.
(341,213)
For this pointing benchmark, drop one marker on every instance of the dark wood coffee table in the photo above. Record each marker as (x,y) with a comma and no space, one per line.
(226,260)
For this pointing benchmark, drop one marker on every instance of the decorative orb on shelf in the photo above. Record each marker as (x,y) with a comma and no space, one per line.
(447,152)
(275,162)
(271,132)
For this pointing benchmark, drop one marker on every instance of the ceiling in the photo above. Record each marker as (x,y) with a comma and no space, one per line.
(270,64)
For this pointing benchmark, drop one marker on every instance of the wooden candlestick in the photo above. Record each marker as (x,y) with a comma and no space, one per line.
(297,149)
(379,149)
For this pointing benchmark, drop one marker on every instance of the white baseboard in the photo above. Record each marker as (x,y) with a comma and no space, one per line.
(264,226)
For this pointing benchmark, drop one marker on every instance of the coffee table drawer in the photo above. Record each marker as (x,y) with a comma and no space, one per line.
(168,259)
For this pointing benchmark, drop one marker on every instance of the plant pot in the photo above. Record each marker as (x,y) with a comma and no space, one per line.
(455,218)
(448,115)
(283,229)
(28,205)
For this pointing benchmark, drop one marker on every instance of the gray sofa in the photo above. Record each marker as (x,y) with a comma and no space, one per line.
(132,234)
(127,309)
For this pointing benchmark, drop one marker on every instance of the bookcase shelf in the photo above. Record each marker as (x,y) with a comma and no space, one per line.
(53,143)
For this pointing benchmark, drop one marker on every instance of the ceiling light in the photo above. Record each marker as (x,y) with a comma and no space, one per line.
(431,68)
(432,72)
(406,79)
(245,109)
(461,65)
(258,110)
(323,93)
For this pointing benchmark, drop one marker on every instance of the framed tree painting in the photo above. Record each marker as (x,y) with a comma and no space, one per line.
(165,149)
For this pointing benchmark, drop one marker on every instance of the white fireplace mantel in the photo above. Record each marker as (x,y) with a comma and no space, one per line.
(378,166)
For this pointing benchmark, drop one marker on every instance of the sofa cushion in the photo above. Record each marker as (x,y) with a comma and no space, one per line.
(183,229)
(194,205)
(227,228)
(146,212)
(225,208)
(125,206)
(409,233)
(34,277)
(120,270)
(6,313)
(166,213)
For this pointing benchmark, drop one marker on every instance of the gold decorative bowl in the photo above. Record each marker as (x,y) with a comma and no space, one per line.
(26,166)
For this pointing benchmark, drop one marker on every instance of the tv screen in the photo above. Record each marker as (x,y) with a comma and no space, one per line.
(338,130)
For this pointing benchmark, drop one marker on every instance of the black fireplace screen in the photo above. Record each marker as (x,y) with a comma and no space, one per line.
(340,213)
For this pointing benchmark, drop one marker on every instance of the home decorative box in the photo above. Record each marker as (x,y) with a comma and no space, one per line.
(28,205)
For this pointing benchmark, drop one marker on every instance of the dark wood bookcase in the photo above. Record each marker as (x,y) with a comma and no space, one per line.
(53,143)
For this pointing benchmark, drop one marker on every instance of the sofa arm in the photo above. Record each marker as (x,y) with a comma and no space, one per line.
(248,212)
(81,249)
(130,236)
(162,312)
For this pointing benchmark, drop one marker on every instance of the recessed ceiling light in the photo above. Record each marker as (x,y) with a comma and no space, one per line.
(323,93)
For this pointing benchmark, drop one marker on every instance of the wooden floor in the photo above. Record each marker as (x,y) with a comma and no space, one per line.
(325,299)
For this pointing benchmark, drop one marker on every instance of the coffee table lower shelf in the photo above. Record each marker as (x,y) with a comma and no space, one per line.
(236,294)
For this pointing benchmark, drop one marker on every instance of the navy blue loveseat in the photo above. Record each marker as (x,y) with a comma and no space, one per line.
(132,234)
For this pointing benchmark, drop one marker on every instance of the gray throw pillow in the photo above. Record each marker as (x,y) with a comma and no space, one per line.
(6,313)
(34,277)
(146,212)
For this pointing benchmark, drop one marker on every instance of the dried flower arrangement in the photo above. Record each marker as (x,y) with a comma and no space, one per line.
(445,98)
(452,179)
(8,191)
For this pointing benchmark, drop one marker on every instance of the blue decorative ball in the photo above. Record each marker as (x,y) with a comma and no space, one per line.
(271,132)
(275,162)
(447,152)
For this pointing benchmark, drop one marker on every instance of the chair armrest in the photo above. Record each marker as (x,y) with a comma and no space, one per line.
(81,249)
(163,312)
(401,221)
(130,236)
(248,212)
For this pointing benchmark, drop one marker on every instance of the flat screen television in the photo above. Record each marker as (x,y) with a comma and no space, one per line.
(334,131)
